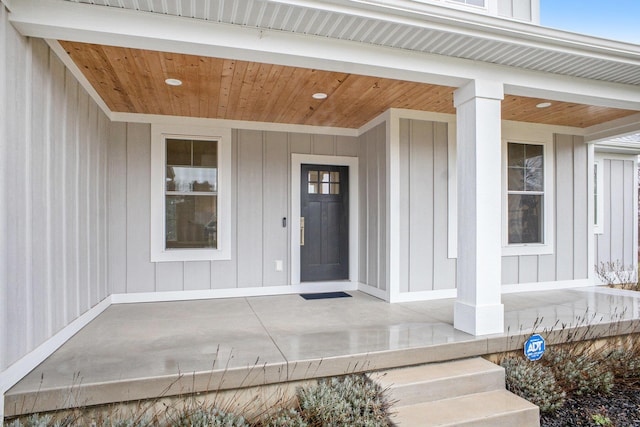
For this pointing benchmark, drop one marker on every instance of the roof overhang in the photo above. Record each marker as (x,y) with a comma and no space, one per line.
(411,41)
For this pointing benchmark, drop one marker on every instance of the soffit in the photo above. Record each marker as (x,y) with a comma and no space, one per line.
(132,81)
(503,42)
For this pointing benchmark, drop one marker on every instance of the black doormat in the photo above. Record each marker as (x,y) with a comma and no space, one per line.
(326,295)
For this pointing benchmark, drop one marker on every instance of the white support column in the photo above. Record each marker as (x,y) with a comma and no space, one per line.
(478,309)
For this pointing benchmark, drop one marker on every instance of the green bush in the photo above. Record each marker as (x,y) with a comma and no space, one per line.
(353,401)
(534,382)
(579,372)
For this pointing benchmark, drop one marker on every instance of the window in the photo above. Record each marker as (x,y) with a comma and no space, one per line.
(525,193)
(190,200)
(479,3)
(528,197)
(191,196)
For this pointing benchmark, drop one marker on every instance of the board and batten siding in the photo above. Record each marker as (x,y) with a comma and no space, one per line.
(569,260)
(53,235)
(616,243)
(260,198)
(373,208)
(424,220)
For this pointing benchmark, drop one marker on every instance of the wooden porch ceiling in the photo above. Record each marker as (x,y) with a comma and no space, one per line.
(133,81)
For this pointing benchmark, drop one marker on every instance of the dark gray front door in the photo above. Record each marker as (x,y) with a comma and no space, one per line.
(324,211)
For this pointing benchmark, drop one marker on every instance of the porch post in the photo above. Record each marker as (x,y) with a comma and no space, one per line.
(478,309)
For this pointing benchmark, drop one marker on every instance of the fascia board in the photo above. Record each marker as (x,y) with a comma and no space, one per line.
(615,128)
(64,20)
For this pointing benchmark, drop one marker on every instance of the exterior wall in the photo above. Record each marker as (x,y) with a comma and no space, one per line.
(53,241)
(373,207)
(617,242)
(569,260)
(523,10)
(260,199)
(425,265)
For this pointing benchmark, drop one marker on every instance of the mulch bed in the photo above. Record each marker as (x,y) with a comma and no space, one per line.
(622,407)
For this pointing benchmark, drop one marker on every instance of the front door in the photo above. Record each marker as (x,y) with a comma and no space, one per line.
(324,223)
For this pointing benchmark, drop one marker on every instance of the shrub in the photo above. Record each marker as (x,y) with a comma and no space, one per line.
(534,382)
(209,417)
(285,418)
(579,372)
(353,400)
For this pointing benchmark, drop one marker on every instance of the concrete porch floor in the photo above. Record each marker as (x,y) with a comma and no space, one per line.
(137,351)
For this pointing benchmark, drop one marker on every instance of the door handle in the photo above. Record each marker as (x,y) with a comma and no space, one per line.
(301,231)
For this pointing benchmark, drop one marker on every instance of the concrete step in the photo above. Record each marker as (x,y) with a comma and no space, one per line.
(498,408)
(436,381)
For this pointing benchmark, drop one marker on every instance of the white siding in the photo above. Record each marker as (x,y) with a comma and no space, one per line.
(260,198)
(617,242)
(569,260)
(53,231)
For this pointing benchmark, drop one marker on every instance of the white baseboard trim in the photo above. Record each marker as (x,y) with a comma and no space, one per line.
(546,286)
(309,287)
(374,292)
(14,373)
(424,295)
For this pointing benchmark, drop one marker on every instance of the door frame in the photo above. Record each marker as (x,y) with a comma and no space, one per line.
(297,160)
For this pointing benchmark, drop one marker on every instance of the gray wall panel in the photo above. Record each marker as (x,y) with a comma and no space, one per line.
(276,206)
(564,206)
(580,202)
(117,209)
(197,275)
(383,258)
(569,260)
(323,145)
(250,213)
(140,271)
(54,248)
(169,276)
(424,193)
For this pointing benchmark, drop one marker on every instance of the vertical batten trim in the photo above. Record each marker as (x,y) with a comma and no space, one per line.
(28,214)
(3,198)
(590,212)
(76,198)
(48,189)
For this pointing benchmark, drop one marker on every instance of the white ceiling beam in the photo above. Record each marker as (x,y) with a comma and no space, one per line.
(622,127)
(65,20)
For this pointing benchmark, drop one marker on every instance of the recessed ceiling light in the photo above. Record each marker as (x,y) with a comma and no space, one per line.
(319,95)
(173,82)
(544,105)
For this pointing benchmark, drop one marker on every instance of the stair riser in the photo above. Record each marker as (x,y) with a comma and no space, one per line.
(521,418)
(446,388)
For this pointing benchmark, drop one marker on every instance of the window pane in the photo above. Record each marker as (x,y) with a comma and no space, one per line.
(191,222)
(313,188)
(533,156)
(324,176)
(324,188)
(516,179)
(335,176)
(515,153)
(534,180)
(205,153)
(313,176)
(335,188)
(178,152)
(525,218)
(185,179)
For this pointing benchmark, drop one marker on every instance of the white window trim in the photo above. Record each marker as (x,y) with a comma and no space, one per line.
(599,208)
(547,247)
(159,134)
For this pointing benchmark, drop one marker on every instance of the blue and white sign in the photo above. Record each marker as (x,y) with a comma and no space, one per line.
(534,347)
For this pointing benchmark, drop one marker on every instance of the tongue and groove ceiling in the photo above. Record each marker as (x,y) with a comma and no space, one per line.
(133,81)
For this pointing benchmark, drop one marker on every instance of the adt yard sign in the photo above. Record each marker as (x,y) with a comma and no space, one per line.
(534,347)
